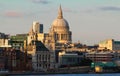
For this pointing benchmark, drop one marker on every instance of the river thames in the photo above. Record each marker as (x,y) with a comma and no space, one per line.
(113,74)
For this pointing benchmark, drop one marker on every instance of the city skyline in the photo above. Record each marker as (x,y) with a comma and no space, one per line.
(90,20)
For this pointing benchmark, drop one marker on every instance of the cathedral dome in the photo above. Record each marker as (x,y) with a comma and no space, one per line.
(60,24)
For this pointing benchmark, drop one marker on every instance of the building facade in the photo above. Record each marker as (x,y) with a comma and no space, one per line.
(17,41)
(110,44)
(4,40)
(37,27)
(40,55)
(102,56)
(12,60)
(67,59)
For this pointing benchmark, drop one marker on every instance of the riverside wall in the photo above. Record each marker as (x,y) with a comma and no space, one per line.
(83,69)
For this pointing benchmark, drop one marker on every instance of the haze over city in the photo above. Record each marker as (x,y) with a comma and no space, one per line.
(90,20)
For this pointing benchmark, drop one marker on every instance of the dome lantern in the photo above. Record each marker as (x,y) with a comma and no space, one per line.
(60,15)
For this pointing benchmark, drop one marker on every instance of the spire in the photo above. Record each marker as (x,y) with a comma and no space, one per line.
(31,31)
(36,36)
(60,15)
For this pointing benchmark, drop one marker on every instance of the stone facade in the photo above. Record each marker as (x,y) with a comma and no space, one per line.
(40,55)
(110,44)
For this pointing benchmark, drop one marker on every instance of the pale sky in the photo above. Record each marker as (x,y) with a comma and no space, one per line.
(90,20)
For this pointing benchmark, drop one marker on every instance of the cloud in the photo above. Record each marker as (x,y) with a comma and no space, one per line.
(41,1)
(110,8)
(13,14)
